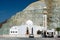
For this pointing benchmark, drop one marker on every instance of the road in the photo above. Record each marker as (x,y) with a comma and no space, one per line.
(17,38)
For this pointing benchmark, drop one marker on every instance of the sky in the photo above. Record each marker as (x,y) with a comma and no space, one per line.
(9,8)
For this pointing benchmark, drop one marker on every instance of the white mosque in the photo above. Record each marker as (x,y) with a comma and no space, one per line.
(25,30)
(30,26)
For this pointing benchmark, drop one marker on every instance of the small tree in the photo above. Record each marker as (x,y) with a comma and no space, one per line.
(58,29)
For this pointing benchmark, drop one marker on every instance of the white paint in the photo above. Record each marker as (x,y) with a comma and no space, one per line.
(29,22)
(21,30)
(45,21)
(50,30)
(13,30)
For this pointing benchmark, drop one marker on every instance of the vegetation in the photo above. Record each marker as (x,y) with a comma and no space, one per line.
(58,30)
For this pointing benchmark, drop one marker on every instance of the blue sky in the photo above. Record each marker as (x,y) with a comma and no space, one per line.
(11,7)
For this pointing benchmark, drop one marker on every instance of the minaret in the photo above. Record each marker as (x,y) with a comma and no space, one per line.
(45,18)
(49,4)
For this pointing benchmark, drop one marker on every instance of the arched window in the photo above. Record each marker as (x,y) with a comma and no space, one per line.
(11,31)
(39,32)
(15,31)
(27,31)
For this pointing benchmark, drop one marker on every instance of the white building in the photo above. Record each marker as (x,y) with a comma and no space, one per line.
(26,30)
(22,30)
(14,30)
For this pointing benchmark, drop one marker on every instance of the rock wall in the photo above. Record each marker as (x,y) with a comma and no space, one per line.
(33,12)
(55,17)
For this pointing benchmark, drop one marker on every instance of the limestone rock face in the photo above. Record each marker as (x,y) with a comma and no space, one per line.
(33,12)
(55,20)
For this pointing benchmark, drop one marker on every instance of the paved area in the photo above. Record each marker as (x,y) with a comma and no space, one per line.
(17,38)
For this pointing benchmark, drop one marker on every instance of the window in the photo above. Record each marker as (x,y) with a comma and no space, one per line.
(15,31)
(39,32)
(11,31)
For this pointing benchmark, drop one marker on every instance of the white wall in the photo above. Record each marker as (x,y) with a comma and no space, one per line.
(23,28)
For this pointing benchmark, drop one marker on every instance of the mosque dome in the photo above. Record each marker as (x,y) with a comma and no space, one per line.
(29,22)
